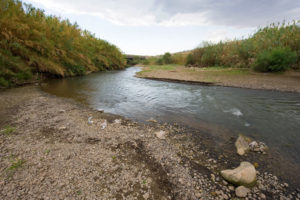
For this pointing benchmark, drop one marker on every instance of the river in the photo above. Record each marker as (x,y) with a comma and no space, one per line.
(269,116)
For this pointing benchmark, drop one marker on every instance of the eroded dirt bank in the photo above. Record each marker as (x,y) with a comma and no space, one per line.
(48,150)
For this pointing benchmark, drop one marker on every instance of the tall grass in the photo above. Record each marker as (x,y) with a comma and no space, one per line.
(244,53)
(281,42)
(32,43)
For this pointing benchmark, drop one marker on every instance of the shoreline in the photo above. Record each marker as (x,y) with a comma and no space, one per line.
(207,77)
(54,151)
(208,84)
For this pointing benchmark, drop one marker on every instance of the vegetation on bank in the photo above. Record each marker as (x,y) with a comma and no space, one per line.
(34,45)
(271,49)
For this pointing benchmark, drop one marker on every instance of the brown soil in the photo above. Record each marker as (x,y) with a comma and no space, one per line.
(288,81)
(53,153)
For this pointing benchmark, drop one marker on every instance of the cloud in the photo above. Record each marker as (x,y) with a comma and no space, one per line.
(239,13)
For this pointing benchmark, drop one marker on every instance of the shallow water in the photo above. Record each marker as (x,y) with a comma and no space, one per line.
(269,116)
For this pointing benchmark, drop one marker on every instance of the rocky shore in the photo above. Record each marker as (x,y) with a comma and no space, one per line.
(55,148)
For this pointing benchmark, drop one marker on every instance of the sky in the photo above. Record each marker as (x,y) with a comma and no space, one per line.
(153,27)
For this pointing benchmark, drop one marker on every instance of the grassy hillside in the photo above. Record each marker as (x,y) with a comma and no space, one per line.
(271,49)
(33,46)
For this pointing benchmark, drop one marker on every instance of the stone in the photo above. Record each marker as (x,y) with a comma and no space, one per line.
(242,144)
(253,145)
(117,121)
(100,110)
(146,196)
(161,135)
(62,128)
(262,196)
(213,178)
(225,196)
(152,120)
(245,175)
(198,195)
(103,125)
(90,121)
(231,188)
(241,191)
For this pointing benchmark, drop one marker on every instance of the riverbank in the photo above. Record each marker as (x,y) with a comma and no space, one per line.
(55,147)
(232,77)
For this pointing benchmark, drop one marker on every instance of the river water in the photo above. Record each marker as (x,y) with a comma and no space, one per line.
(269,116)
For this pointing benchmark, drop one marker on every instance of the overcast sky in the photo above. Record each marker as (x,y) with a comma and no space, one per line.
(152,27)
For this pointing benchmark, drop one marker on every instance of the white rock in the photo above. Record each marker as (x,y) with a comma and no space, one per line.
(152,120)
(146,196)
(117,121)
(245,174)
(161,135)
(253,145)
(103,125)
(241,191)
(242,144)
(100,110)
(90,121)
(62,128)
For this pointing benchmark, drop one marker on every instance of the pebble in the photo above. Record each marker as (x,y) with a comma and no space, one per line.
(231,188)
(146,196)
(198,195)
(262,196)
(241,191)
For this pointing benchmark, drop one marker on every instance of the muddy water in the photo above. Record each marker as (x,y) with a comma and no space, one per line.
(269,116)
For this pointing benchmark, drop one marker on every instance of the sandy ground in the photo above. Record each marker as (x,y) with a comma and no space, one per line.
(52,152)
(289,81)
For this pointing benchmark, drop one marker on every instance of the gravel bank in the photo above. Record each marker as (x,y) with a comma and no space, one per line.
(50,151)
(286,82)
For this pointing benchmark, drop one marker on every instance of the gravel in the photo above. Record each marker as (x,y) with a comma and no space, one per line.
(54,153)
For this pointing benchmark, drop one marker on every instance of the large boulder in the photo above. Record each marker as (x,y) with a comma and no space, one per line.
(242,144)
(244,175)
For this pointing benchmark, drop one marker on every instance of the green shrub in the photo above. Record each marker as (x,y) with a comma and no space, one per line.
(159,61)
(190,60)
(167,58)
(211,54)
(3,82)
(146,62)
(275,60)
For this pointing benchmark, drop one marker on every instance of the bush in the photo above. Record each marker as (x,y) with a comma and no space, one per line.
(159,61)
(146,62)
(275,60)
(167,58)
(3,82)
(211,55)
(190,60)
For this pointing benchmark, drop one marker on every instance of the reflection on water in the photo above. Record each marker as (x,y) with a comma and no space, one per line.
(273,117)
